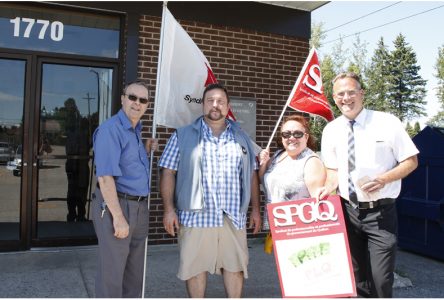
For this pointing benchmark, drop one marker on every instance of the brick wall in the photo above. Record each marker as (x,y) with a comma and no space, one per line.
(250,64)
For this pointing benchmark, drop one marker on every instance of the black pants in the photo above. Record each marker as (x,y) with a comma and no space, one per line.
(372,239)
(77,171)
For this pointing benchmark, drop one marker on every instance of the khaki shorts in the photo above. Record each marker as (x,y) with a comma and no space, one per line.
(212,249)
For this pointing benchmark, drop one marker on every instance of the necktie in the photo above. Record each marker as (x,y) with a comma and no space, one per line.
(351,164)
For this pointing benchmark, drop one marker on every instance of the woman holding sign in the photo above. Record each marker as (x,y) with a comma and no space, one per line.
(295,171)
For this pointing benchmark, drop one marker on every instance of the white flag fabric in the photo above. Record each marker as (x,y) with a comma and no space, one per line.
(184,73)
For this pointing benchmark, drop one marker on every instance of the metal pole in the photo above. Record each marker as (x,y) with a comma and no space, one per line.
(90,141)
(159,61)
(88,98)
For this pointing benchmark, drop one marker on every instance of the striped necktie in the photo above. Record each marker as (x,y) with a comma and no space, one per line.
(351,164)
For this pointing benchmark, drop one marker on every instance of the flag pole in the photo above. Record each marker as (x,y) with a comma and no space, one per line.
(307,61)
(154,131)
(159,63)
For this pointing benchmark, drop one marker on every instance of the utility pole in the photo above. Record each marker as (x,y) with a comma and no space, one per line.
(98,89)
(88,98)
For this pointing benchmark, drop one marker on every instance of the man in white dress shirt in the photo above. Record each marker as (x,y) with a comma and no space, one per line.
(366,154)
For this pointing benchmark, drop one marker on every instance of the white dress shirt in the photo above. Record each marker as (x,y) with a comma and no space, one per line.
(381,142)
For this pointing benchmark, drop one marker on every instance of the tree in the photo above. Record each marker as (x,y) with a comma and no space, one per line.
(412,131)
(376,78)
(358,62)
(317,35)
(439,67)
(328,74)
(317,125)
(438,119)
(417,128)
(406,90)
(409,129)
(339,56)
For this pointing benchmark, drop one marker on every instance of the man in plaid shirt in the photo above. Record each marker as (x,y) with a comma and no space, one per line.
(209,175)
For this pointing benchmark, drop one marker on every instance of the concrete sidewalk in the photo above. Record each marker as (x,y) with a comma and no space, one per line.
(69,273)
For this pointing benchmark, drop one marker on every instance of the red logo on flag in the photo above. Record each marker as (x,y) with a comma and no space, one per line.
(210,77)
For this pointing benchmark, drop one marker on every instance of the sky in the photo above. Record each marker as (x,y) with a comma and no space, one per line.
(422,31)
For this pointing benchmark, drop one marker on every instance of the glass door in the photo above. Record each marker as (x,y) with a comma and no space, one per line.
(49,109)
(74,99)
(12,101)
(58,72)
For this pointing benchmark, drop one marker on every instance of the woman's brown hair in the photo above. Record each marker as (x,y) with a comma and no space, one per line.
(311,143)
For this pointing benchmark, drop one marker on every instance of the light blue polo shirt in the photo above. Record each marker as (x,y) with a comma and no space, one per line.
(119,152)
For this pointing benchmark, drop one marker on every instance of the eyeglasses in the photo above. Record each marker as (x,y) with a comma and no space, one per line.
(350,93)
(297,134)
(134,98)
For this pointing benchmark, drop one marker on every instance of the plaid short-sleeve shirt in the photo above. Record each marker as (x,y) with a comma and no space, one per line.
(221,176)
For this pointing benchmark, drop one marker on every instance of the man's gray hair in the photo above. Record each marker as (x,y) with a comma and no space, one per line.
(137,82)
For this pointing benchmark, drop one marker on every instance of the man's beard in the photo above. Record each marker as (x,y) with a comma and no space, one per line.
(210,117)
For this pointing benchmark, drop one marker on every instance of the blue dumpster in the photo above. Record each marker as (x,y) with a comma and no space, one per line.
(421,202)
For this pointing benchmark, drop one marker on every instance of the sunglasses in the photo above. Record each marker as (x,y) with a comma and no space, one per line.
(297,134)
(134,98)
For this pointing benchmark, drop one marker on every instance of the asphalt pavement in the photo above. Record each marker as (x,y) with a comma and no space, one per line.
(69,272)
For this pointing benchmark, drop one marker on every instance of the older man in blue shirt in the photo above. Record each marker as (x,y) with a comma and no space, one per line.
(120,211)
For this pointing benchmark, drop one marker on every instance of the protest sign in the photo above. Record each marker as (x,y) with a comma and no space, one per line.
(311,248)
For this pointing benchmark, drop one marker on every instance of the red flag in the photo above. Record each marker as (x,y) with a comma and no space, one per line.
(308,93)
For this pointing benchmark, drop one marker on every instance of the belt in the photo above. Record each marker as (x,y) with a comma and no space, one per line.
(128,197)
(373,204)
(131,197)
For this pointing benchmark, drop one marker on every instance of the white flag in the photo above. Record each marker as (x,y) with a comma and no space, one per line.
(184,73)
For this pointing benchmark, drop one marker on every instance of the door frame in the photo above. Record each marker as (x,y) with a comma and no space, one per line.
(40,61)
(31,122)
(25,183)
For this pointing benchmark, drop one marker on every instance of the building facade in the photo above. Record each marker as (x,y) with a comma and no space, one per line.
(62,70)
